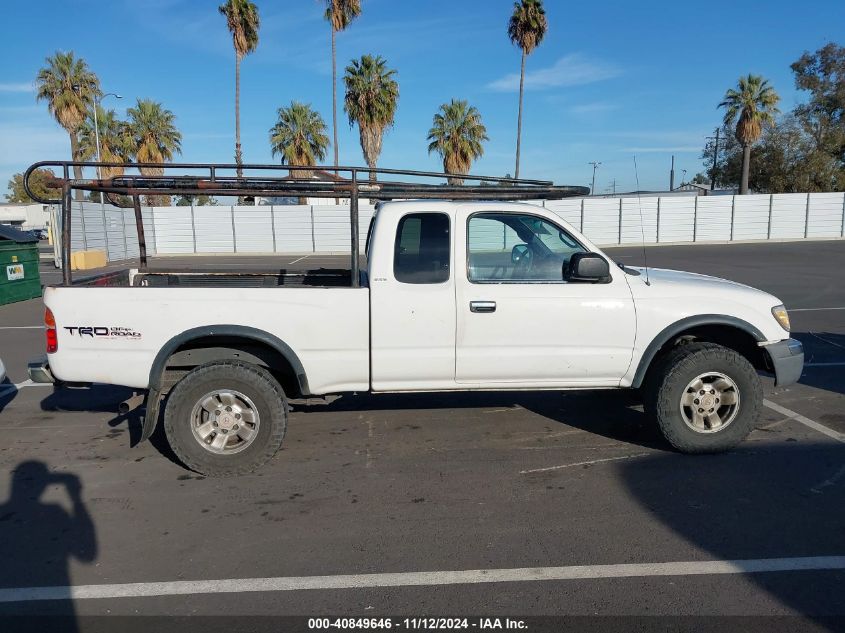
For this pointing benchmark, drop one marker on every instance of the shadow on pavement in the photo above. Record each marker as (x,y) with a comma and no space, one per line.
(614,414)
(821,348)
(106,399)
(757,502)
(41,537)
(98,399)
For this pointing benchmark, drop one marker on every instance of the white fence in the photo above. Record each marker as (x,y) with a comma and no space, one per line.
(325,228)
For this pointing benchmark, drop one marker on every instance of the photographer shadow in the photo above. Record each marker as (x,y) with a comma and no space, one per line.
(39,540)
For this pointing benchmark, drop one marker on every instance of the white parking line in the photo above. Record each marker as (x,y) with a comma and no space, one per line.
(814,309)
(298,260)
(23,385)
(838,364)
(424,578)
(21,327)
(587,463)
(792,415)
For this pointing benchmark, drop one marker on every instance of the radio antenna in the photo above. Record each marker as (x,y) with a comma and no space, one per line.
(642,228)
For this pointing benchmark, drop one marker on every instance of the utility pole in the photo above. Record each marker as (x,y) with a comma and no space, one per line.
(613,186)
(97,101)
(672,175)
(713,172)
(595,165)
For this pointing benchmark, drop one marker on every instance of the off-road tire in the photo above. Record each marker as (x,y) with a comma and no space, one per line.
(668,378)
(255,382)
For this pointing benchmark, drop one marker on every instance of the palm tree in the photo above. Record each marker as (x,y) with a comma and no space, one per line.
(69,87)
(115,141)
(526,29)
(339,13)
(299,136)
(457,135)
(154,139)
(752,105)
(372,95)
(242,20)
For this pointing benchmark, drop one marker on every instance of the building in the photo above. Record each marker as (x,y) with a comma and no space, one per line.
(25,216)
(705,190)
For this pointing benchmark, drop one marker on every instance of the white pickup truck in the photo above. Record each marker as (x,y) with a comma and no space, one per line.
(453,296)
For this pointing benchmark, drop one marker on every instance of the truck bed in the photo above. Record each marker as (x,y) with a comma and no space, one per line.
(320,278)
(240,271)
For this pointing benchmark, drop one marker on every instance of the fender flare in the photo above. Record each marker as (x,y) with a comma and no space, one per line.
(677,327)
(260,336)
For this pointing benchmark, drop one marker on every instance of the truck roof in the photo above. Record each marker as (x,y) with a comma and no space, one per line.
(424,204)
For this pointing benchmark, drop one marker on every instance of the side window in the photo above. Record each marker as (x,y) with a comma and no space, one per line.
(421,253)
(516,247)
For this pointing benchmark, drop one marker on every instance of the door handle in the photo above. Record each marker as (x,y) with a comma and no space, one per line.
(482,306)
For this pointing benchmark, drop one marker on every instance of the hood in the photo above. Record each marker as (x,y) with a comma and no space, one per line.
(666,276)
(673,295)
(678,283)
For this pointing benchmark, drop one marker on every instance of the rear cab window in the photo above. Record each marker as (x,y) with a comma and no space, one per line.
(421,252)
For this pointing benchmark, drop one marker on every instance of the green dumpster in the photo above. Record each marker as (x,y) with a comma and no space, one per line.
(19,275)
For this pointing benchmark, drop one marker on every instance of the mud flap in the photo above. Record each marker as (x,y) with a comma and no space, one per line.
(152,405)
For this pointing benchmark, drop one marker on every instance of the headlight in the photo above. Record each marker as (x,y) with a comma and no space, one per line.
(781,316)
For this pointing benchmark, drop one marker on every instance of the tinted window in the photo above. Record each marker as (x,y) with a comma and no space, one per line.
(421,254)
(515,247)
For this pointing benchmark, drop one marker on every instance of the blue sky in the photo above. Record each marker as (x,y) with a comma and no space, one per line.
(611,79)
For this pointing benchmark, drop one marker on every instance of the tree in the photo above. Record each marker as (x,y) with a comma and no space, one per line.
(38,182)
(115,141)
(372,95)
(786,161)
(822,74)
(340,14)
(457,135)
(70,89)
(243,22)
(752,106)
(153,139)
(803,151)
(299,137)
(201,200)
(526,29)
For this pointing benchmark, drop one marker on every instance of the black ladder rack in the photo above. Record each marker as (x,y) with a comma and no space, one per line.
(342,182)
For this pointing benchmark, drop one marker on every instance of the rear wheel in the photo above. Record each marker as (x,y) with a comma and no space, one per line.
(226,418)
(705,398)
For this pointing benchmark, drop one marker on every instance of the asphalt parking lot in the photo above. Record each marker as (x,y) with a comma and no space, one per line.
(544,503)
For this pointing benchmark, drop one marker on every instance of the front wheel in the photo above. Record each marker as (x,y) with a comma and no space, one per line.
(226,418)
(705,398)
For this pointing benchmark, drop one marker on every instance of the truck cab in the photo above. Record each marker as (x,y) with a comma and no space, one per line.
(482,296)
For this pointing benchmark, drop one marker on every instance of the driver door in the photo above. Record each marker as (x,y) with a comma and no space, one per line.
(519,322)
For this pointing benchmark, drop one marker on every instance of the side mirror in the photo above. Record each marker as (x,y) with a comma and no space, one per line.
(587,267)
(519,252)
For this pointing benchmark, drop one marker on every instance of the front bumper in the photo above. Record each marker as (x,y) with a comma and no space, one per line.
(787,360)
(39,370)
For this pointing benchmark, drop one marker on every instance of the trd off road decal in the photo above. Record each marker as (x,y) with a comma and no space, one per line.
(103,332)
